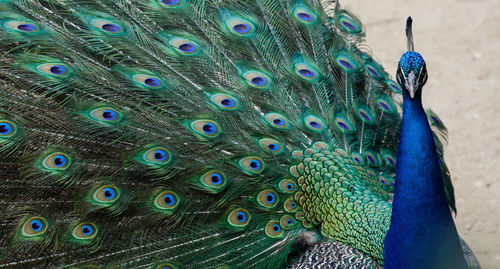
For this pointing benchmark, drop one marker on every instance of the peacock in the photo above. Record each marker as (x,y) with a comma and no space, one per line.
(215,134)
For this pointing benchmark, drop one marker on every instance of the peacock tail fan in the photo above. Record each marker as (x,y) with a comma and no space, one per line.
(191,133)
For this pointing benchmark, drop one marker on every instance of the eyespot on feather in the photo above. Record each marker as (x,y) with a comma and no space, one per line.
(287,222)
(358,158)
(267,198)
(344,124)
(374,71)
(238,218)
(434,119)
(314,123)
(384,180)
(290,205)
(107,26)
(306,72)
(34,226)
(277,120)
(393,85)
(166,201)
(371,173)
(240,26)
(185,46)
(148,81)
(287,186)
(106,194)
(271,145)
(157,156)
(252,165)
(274,230)
(85,231)
(59,70)
(366,115)
(345,62)
(389,159)
(371,158)
(7,129)
(347,23)
(225,102)
(304,15)
(206,128)
(172,3)
(257,79)
(385,104)
(56,161)
(213,181)
(21,26)
(105,114)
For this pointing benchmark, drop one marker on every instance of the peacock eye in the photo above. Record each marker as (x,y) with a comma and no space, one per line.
(252,165)
(267,198)
(270,145)
(21,26)
(348,23)
(54,69)
(238,218)
(213,181)
(85,231)
(306,71)
(287,222)
(156,156)
(290,205)
(107,26)
(148,81)
(7,129)
(287,185)
(225,102)
(240,27)
(56,161)
(184,46)
(206,128)
(273,229)
(34,226)
(172,3)
(166,201)
(277,120)
(304,15)
(343,124)
(257,79)
(314,123)
(105,114)
(106,194)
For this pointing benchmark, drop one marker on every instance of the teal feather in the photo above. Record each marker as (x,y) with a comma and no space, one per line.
(194,134)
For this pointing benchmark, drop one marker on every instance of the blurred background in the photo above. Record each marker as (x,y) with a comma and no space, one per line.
(460,41)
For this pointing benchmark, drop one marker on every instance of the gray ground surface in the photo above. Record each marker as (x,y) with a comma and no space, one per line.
(460,41)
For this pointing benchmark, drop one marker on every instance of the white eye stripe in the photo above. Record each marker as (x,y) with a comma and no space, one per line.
(402,72)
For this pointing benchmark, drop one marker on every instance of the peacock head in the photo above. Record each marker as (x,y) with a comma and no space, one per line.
(412,73)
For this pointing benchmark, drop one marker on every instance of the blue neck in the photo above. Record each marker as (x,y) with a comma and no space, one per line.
(422,233)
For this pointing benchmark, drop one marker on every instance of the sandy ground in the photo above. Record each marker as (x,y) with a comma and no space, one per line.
(460,41)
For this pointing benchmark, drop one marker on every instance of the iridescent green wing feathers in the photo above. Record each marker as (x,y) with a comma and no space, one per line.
(176,133)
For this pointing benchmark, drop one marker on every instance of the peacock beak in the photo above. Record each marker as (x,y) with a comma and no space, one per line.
(411,84)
